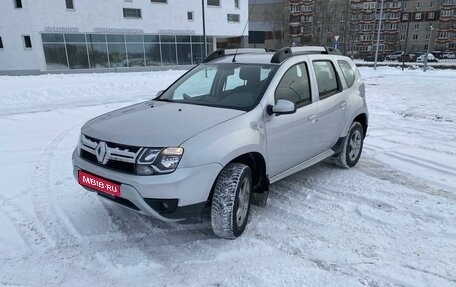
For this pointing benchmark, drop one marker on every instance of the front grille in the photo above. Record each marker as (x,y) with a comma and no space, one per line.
(117,156)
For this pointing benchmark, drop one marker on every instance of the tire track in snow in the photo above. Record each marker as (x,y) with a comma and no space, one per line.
(440,167)
(291,249)
(31,231)
(49,213)
(380,171)
(291,217)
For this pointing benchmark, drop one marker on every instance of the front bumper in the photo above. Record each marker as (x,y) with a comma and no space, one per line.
(186,190)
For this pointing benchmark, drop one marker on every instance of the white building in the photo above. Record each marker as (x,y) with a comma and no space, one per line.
(56,35)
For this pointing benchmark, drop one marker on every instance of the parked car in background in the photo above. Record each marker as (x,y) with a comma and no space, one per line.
(371,58)
(437,54)
(394,56)
(411,57)
(449,55)
(417,54)
(431,58)
(422,58)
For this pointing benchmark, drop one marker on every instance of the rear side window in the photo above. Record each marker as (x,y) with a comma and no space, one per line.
(347,70)
(326,78)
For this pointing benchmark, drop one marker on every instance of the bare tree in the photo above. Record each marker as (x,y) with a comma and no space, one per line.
(279,17)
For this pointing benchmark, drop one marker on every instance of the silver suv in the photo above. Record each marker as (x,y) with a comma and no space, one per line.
(394,56)
(223,132)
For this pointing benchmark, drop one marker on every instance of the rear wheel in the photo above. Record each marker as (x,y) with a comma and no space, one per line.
(351,147)
(231,200)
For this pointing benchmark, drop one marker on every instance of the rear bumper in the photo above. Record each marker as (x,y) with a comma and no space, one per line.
(173,196)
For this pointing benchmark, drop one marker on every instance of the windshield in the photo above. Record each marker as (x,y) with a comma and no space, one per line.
(235,86)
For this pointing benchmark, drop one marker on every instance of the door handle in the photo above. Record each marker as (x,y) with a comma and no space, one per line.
(313,118)
(343,105)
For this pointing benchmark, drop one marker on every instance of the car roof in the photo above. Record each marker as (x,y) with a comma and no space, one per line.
(248,58)
(262,56)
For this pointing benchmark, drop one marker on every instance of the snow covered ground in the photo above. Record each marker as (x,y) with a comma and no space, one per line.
(390,221)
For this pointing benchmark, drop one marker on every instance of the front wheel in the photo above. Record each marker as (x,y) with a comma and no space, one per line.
(351,147)
(231,200)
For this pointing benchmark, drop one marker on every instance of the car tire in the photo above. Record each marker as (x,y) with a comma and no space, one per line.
(231,200)
(352,147)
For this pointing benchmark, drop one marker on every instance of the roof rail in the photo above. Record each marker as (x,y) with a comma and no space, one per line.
(229,52)
(287,52)
(281,55)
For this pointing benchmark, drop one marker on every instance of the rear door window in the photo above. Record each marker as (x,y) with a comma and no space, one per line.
(327,81)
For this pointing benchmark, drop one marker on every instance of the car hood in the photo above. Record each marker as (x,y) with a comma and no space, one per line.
(156,124)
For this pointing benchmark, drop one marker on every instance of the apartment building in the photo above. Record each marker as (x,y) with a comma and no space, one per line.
(446,27)
(60,35)
(352,26)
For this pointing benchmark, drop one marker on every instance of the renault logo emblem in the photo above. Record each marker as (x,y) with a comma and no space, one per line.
(101,152)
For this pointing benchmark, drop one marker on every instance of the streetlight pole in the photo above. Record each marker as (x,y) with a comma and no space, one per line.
(378,35)
(427,50)
(405,44)
(204,30)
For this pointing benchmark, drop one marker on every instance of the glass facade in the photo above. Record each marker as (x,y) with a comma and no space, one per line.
(94,51)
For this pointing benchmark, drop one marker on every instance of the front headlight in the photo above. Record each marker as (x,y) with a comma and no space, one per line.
(158,161)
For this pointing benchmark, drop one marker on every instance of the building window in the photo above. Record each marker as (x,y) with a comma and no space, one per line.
(93,51)
(190,16)
(415,37)
(17,3)
(431,15)
(444,35)
(213,2)
(402,37)
(405,16)
(419,4)
(131,13)
(236,3)
(416,26)
(27,42)
(69,4)
(418,16)
(432,4)
(232,17)
(159,1)
(294,9)
(1,43)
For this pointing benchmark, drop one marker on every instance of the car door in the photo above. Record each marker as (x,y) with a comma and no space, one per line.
(289,137)
(332,103)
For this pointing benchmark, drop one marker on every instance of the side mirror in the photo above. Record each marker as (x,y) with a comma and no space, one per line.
(159,93)
(283,107)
